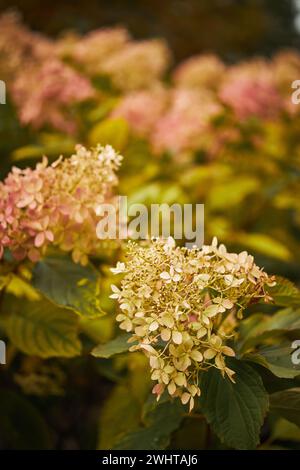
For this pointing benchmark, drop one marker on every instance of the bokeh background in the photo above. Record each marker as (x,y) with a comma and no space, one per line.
(247,171)
(233,29)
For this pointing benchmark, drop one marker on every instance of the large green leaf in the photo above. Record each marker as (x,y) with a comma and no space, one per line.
(286,403)
(235,411)
(114,132)
(285,431)
(285,293)
(115,346)
(158,427)
(68,284)
(22,427)
(259,327)
(277,359)
(228,194)
(287,319)
(42,329)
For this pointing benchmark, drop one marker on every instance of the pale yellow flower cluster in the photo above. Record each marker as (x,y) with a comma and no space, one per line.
(182,306)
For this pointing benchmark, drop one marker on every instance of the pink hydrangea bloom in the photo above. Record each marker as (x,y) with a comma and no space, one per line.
(92,49)
(43,93)
(138,65)
(250,90)
(188,117)
(56,204)
(19,45)
(142,109)
(203,71)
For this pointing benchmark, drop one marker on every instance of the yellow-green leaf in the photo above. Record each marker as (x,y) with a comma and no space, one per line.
(41,329)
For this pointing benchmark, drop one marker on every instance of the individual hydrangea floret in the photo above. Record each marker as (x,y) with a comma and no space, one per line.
(182,307)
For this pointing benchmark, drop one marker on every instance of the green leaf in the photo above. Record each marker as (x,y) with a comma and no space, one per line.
(277,359)
(114,132)
(19,287)
(115,346)
(286,403)
(285,293)
(235,411)
(68,284)
(41,329)
(51,144)
(232,193)
(102,110)
(258,327)
(264,244)
(120,414)
(28,151)
(159,424)
(287,319)
(22,426)
(285,431)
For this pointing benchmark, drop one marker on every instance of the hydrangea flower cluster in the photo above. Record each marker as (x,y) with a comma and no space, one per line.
(132,108)
(138,65)
(250,90)
(43,94)
(18,45)
(91,50)
(187,118)
(202,71)
(182,307)
(56,204)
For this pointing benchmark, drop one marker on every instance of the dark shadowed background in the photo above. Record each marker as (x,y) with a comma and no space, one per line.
(231,28)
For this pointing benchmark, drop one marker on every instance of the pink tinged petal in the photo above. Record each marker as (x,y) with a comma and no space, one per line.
(39,239)
(24,202)
(185,398)
(49,235)
(158,389)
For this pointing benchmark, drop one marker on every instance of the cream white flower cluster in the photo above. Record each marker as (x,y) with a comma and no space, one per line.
(182,307)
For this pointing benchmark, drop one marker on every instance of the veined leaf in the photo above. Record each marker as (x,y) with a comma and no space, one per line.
(41,329)
(277,359)
(259,327)
(68,284)
(285,293)
(235,410)
(163,420)
(115,346)
(286,403)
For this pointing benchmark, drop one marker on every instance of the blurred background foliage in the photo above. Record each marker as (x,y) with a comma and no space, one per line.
(250,187)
